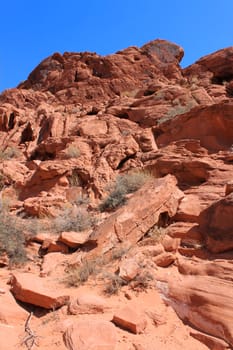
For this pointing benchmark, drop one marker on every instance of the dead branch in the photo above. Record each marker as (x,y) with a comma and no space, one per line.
(30,338)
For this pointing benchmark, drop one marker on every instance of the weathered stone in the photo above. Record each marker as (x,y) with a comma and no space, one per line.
(74,239)
(87,304)
(129,319)
(93,334)
(129,269)
(31,289)
(164,259)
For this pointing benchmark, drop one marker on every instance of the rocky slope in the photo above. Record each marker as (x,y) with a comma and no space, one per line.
(148,265)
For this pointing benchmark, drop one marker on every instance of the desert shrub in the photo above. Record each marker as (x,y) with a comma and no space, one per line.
(72,151)
(9,153)
(176,110)
(11,238)
(119,252)
(74,221)
(142,281)
(124,185)
(73,179)
(78,275)
(2,181)
(114,283)
(82,200)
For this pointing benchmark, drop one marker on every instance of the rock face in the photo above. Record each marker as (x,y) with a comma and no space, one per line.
(77,124)
(217,223)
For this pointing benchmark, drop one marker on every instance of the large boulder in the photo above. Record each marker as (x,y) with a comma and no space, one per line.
(33,290)
(90,334)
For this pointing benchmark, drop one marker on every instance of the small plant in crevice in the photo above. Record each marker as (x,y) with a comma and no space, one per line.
(124,184)
(9,153)
(72,151)
(73,179)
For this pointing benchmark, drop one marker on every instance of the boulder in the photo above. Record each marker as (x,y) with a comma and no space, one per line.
(87,304)
(130,320)
(90,334)
(204,301)
(74,239)
(33,290)
(128,269)
(164,259)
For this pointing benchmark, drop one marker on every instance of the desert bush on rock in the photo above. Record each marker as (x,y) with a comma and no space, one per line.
(11,238)
(71,220)
(114,283)
(9,153)
(72,151)
(124,185)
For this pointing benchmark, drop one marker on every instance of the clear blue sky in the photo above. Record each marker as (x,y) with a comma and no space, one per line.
(34,29)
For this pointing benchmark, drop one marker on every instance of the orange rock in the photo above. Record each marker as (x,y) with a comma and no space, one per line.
(216,224)
(129,319)
(189,209)
(10,312)
(74,239)
(31,289)
(93,334)
(164,259)
(87,304)
(129,269)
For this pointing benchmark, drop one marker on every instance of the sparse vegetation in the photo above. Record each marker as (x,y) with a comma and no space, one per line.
(176,110)
(74,179)
(72,151)
(156,233)
(9,153)
(82,200)
(70,220)
(80,274)
(11,238)
(114,283)
(2,181)
(124,185)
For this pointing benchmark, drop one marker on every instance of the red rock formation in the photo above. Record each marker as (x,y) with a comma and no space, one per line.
(66,133)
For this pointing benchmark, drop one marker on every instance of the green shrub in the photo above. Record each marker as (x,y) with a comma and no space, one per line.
(124,185)
(11,238)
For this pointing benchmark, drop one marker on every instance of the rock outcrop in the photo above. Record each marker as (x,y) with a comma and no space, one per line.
(72,130)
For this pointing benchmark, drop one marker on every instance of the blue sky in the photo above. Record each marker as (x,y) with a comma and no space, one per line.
(32,30)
